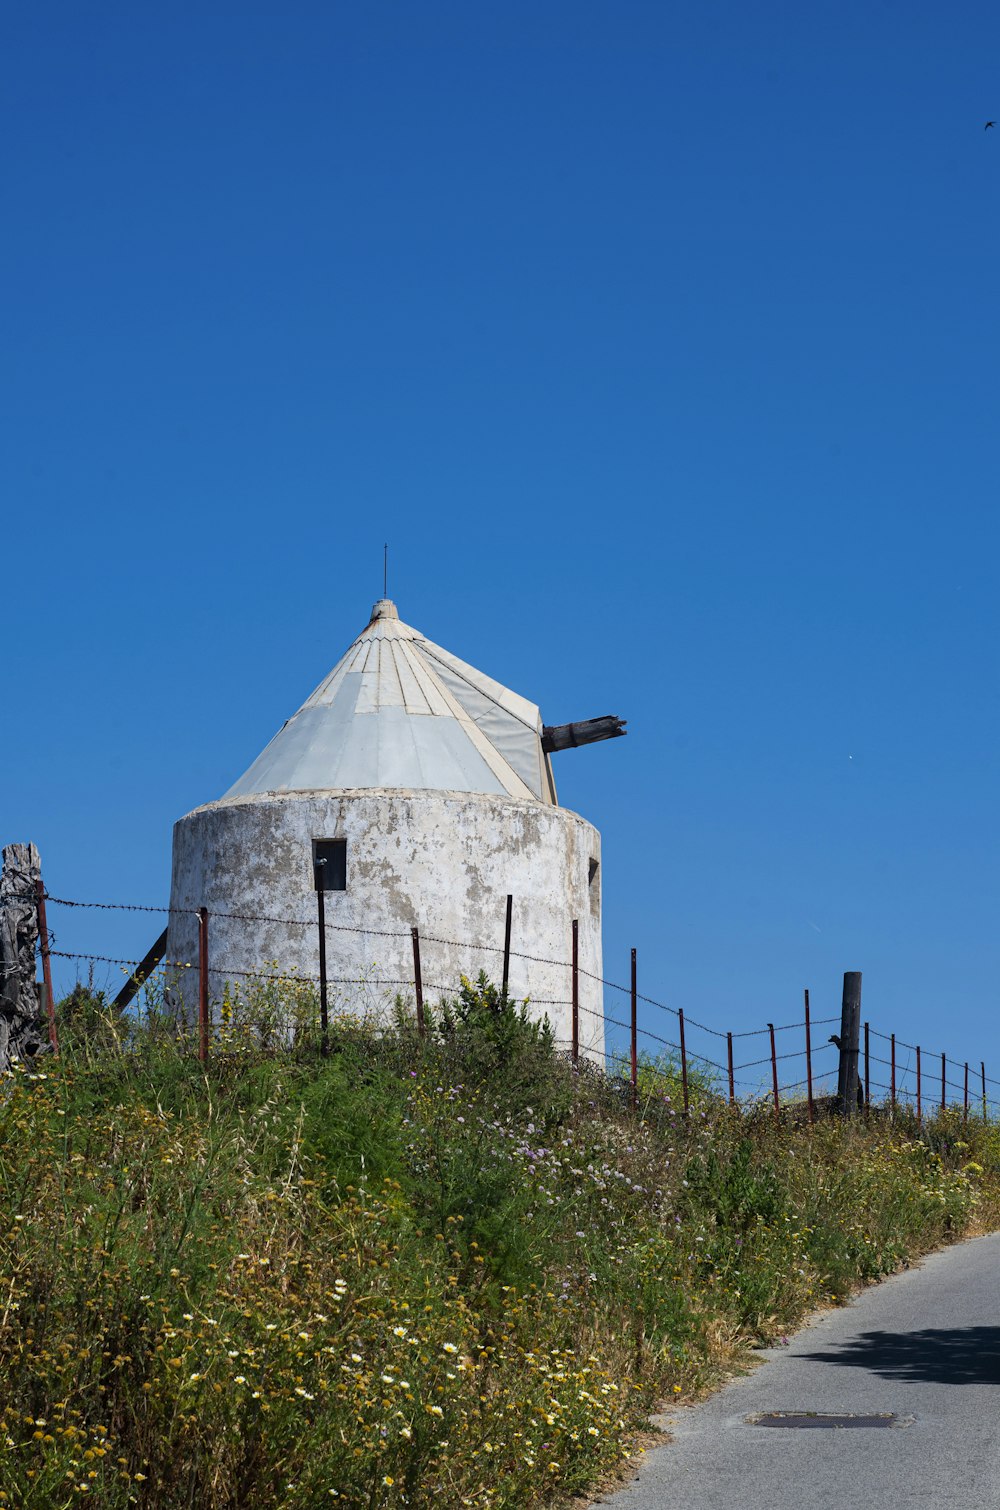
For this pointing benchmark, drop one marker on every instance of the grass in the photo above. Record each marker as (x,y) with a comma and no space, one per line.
(447,1271)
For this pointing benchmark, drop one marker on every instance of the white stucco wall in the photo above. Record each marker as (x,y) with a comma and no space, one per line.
(441,860)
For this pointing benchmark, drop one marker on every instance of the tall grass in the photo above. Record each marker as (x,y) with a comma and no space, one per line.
(447,1270)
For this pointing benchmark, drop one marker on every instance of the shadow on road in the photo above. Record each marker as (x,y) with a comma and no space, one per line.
(959,1355)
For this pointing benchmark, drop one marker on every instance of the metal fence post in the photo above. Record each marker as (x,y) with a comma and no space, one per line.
(635,1045)
(918,1086)
(965,1097)
(982,1066)
(868,1091)
(732,1079)
(684,1062)
(944,1082)
(576,991)
(43,943)
(418,983)
(774,1071)
(324,1021)
(809,1065)
(203,984)
(506,943)
(892,1072)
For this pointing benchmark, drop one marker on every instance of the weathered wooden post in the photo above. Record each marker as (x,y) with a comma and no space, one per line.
(849,1044)
(21,1037)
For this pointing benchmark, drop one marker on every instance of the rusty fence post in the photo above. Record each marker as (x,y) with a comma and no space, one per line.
(918,1086)
(732,1080)
(576,991)
(868,1092)
(635,1044)
(324,1016)
(774,1071)
(892,1071)
(506,944)
(965,1097)
(43,943)
(203,984)
(418,980)
(982,1066)
(809,1065)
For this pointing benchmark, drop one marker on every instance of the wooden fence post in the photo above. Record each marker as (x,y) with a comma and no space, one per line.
(43,940)
(850,1028)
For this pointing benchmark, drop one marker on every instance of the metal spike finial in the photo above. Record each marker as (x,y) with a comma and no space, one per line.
(385,570)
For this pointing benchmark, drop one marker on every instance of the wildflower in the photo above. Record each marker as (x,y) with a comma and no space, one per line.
(449,1347)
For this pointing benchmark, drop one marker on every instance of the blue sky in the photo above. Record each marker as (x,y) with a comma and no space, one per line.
(660,344)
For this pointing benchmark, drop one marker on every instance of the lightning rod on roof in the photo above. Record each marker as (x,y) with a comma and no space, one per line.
(385,570)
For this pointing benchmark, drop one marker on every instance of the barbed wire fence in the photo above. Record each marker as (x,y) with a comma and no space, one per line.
(795,1075)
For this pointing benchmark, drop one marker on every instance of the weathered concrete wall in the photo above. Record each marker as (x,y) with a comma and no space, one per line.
(444,861)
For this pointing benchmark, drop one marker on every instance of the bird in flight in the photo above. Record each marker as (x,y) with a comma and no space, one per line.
(988,125)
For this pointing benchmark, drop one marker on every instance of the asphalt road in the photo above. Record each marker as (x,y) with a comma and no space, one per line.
(925,1345)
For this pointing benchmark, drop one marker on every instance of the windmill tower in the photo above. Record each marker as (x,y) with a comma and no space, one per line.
(412,789)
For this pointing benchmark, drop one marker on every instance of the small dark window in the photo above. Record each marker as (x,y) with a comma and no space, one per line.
(594,868)
(330,864)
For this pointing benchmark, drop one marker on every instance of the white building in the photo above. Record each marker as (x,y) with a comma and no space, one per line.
(415,791)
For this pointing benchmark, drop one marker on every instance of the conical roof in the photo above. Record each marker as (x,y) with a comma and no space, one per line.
(398,711)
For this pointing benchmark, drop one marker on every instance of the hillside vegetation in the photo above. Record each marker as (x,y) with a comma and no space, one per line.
(445,1271)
